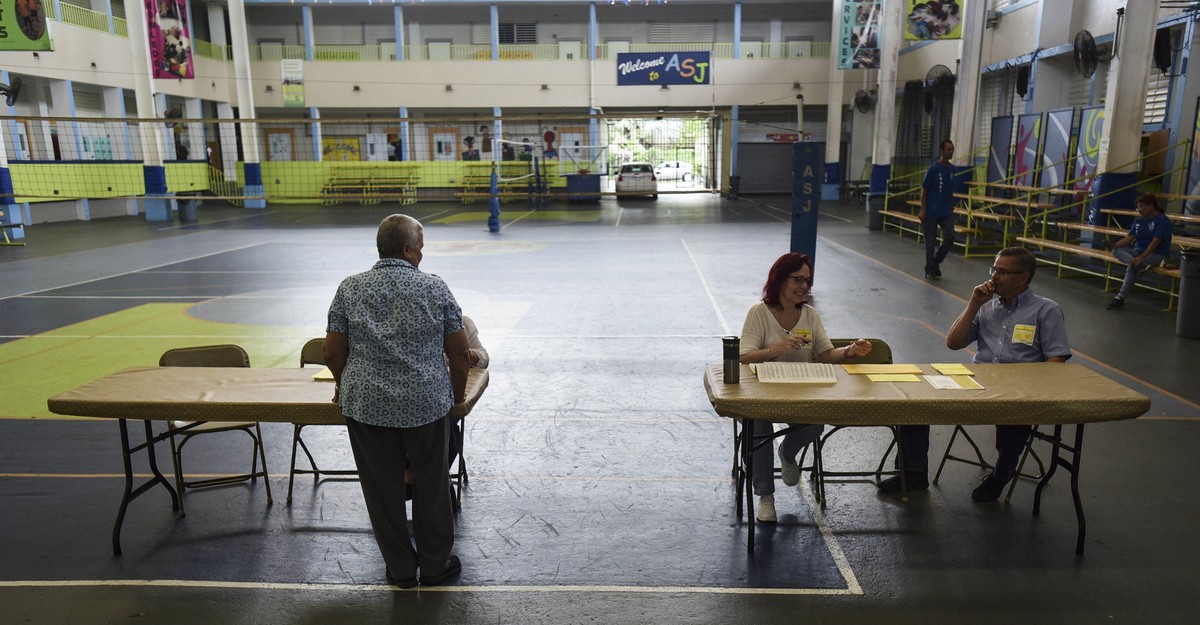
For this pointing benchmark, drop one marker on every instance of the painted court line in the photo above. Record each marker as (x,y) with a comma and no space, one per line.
(707,290)
(193,584)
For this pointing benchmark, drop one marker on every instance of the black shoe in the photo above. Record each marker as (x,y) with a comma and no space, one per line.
(990,489)
(409,582)
(912,481)
(453,567)
(1116,303)
(932,276)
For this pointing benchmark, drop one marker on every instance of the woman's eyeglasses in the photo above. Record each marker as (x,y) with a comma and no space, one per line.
(801,280)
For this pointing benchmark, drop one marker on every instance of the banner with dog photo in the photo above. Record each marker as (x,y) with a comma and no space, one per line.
(927,20)
(23,26)
(170,39)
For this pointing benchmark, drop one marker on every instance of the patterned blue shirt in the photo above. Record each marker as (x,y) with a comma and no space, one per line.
(396,318)
(1033,330)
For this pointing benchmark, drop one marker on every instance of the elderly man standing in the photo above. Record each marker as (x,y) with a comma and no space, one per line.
(392,331)
(1008,323)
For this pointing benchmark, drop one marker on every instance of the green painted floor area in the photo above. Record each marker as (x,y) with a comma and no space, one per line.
(47,364)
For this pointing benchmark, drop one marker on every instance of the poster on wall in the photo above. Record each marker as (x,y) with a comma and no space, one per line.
(170,39)
(1087,147)
(663,68)
(1057,153)
(999,153)
(858,37)
(23,26)
(1029,143)
(931,20)
(292,73)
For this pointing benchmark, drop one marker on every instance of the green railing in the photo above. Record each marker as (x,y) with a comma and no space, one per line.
(82,17)
(210,50)
(276,53)
(120,27)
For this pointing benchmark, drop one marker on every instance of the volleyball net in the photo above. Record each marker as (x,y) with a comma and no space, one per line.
(365,161)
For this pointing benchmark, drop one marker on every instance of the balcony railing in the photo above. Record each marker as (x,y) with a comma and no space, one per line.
(82,17)
(210,50)
(553,52)
(120,27)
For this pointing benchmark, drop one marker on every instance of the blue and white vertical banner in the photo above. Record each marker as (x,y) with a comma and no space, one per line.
(663,68)
(1056,154)
(858,34)
(1000,150)
(808,169)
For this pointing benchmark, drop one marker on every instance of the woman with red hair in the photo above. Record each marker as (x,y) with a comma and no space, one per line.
(783,327)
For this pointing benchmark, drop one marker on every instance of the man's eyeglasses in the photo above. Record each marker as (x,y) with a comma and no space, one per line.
(1003,273)
(801,280)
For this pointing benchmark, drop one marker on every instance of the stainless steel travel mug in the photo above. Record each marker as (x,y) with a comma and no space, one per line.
(733,367)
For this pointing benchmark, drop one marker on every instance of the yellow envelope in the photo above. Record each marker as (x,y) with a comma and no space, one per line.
(893,377)
(324,375)
(952,368)
(869,369)
(966,381)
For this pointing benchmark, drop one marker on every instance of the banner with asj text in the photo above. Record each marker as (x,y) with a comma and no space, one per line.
(858,34)
(928,20)
(23,26)
(170,39)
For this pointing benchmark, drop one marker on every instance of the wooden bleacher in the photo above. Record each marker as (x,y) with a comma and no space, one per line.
(5,227)
(370,184)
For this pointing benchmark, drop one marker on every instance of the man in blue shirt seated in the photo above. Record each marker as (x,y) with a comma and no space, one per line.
(1147,245)
(388,330)
(1008,323)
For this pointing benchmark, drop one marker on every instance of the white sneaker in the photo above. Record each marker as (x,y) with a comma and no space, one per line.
(766,509)
(789,471)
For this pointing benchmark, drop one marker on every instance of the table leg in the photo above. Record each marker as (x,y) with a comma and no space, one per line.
(1072,466)
(130,493)
(748,480)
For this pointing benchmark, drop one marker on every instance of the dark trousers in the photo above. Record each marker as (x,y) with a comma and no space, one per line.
(381,454)
(935,254)
(1010,442)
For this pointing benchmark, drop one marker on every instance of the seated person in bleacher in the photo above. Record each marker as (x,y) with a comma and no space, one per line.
(1146,246)
(782,327)
(1007,323)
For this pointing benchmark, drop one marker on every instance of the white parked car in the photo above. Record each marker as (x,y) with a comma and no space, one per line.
(637,178)
(674,170)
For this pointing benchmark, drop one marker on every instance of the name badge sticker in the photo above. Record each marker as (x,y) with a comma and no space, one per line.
(804,333)
(1023,333)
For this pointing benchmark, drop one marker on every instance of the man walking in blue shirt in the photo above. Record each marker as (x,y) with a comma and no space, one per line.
(937,210)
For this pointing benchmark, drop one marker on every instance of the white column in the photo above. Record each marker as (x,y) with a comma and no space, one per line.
(241,76)
(1125,105)
(891,29)
(143,87)
(193,109)
(966,89)
(228,140)
(114,107)
(833,129)
(216,24)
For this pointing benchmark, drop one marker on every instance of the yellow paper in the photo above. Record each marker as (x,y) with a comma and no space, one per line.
(966,381)
(893,377)
(804,333)
(869,369)
(952,369)
(324,375)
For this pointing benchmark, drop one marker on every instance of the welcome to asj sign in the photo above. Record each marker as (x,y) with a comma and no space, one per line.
(663,68)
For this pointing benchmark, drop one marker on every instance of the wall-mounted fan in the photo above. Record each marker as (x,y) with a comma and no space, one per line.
(11,91)
(1085,52)
(864,100)
(939,85)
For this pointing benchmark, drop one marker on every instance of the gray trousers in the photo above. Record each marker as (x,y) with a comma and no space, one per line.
(764,457)
(380,453)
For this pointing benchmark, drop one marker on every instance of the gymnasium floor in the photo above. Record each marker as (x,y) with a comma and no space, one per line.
(600,488)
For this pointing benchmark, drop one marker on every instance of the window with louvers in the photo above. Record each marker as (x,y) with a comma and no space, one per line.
(518,33)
